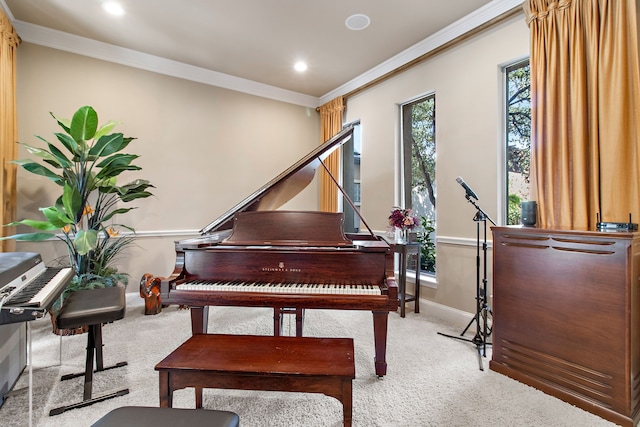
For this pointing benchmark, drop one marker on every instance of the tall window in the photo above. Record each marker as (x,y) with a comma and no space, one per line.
(518,138)
(351,179)
(419,171)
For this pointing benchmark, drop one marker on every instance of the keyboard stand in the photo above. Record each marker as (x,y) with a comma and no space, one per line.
(30,362)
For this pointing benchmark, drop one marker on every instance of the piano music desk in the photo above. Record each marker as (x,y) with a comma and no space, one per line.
(248,362)
(405,250)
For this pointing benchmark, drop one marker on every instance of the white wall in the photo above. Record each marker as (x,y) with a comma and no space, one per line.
(467,81)
(204,148)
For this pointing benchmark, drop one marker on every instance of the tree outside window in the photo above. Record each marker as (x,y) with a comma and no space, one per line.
(419,172)
(518,138)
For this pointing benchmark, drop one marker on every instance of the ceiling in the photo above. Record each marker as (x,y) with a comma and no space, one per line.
(255,40)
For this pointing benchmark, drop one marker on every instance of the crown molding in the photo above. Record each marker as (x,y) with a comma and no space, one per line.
(55,39)
(475,19)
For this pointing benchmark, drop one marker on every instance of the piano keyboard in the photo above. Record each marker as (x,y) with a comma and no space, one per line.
(284,288)
(27,287)
(37,292)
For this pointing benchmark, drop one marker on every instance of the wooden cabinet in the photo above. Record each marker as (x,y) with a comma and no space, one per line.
(566,316)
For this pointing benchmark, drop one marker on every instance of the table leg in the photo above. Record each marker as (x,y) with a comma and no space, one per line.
(403,283)
(347,398)
(198,397)
(166,400)
(417,291)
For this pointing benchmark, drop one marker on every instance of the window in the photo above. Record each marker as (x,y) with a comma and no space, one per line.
(518,138)
(351,179)
(419,171)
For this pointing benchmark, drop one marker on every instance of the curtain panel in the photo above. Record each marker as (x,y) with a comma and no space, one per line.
(8,125)
(585,93)
(331,124)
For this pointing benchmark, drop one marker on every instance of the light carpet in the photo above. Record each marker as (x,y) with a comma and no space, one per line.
(432,380)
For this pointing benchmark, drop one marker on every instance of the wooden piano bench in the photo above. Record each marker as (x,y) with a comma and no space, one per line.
(170,417)
(251,362)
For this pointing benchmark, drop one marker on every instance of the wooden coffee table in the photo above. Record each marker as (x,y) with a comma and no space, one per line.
(252,362)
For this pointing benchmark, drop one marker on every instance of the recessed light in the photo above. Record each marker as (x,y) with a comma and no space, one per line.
(113,8)
(357,22)
(300,66)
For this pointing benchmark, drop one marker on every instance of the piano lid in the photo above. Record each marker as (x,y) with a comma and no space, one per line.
(285,186)
(15,264)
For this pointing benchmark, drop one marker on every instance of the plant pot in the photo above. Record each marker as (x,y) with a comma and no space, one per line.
(66,332)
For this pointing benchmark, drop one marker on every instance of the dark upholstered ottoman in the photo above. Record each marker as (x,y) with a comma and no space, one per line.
(137,416)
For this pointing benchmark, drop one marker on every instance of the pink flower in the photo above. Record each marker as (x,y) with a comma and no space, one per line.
(403,218)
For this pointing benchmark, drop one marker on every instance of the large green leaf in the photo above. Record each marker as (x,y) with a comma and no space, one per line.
(135,195)
(72,201)
(117,170)
(135,186)
(38,225)
(85,241)
(60,158)
(38,152)
(131,191)
(84,124)
(69,143)
(118,159)
(30,237)
(114,212)
(105,129)
(56,217)
(107,145)
(116,164)
(63,123)
(38,169)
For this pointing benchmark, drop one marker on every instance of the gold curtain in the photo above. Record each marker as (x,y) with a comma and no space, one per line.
(585,111)
(331,124)
(8,124)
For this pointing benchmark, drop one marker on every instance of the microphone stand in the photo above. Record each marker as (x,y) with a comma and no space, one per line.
(483,311)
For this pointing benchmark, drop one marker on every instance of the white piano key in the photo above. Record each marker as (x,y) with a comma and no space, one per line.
(284,288)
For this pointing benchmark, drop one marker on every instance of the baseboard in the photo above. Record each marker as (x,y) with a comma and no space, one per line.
(448,314)
(442,312)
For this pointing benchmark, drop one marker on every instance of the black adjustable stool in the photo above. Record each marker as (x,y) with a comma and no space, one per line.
(140,416)
(91,307)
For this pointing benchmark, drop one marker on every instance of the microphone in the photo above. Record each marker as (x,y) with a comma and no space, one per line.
(464,185)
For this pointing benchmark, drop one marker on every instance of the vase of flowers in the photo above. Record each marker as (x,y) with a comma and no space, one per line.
(86,162)
(403,220)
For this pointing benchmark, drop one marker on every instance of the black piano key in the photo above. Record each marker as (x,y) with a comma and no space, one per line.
(29,291)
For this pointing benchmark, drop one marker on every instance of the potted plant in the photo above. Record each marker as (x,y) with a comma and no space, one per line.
(86,162)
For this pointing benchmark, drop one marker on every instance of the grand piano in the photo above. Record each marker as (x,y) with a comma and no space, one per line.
(255,255)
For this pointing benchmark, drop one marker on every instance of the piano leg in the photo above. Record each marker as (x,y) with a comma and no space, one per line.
(278,313)
(380,339)
(199,319)
(277,321)
(299,321)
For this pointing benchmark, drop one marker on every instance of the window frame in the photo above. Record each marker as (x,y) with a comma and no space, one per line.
(504,188)
(405,158)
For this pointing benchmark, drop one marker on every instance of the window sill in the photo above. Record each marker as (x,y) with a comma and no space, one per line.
(428,280)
